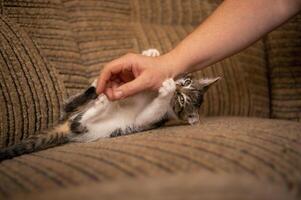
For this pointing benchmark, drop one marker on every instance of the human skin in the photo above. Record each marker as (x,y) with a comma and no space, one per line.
(232,27)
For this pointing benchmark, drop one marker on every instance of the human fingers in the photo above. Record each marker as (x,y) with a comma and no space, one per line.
(137,85)
(106,74)
(109,93)
(116,66)
(110,87)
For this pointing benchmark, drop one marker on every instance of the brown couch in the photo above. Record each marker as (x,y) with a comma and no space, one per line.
(248,145)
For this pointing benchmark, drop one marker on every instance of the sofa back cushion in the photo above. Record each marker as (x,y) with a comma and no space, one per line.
(78,37)
(108,29)
(48,24)
(30,92)
(284,61)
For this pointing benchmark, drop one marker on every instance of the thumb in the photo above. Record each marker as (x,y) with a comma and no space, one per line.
(131,88)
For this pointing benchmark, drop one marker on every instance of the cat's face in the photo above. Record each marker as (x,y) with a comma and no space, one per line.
(188,97)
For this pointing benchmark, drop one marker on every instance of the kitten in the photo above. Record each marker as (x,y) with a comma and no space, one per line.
(87,116)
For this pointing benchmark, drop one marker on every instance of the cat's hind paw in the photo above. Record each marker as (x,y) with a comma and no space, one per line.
(168,87)
(151,52)
(77,127)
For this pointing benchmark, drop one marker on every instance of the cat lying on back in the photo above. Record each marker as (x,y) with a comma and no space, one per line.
(87,116)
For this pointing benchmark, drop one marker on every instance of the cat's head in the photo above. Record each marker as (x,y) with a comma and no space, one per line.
(188,97)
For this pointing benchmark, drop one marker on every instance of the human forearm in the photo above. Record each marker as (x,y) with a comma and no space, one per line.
(233,26)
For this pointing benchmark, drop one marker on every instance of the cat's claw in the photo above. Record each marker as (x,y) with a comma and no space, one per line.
(151,52)
(168,87)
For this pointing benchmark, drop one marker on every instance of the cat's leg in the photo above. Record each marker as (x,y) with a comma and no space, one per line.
(76,126)
(151,52)
(159,107)
(74,103)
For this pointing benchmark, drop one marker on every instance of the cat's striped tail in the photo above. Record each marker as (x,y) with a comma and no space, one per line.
(34,143)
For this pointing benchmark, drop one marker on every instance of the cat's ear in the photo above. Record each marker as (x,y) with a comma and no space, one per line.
(193,118)
(207,82)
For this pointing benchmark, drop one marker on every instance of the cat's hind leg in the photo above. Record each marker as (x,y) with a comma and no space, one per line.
(76,126)
(76,102)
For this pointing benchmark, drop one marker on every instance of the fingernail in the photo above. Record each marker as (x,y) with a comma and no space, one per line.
(118,94)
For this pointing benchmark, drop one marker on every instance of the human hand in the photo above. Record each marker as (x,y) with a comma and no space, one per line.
(133,73)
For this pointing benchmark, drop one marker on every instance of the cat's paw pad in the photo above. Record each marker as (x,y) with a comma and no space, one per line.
(168,87)
(151,52)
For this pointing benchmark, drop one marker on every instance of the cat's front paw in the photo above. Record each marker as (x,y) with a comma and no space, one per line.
(102,100)
(168,87)
(151,52)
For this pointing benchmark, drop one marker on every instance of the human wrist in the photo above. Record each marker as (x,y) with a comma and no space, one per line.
(174,64)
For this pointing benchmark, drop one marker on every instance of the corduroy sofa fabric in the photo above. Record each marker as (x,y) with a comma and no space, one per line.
(194,186)
(52,49)
(248,146)
(31,95)
(285,70)
(46,22)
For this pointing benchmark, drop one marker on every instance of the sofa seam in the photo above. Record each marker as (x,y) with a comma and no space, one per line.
(268,73)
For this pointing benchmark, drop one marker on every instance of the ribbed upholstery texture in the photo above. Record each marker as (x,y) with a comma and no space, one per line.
(284,59)
(176,187)
(46,22)
(53,49)
(30,92)
(249,146)
(80,36)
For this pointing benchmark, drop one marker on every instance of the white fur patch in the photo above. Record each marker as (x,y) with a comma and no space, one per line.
(94,83)
(151,52)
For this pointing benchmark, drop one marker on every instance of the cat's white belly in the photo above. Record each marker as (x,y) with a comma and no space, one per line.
(104,126)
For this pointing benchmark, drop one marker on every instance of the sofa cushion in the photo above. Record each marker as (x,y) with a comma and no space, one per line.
(284,60)
(205,186)
(31,95)
(260,148)
(47,23)
(106,30)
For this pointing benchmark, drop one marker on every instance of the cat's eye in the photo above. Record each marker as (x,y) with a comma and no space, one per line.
(187,82)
